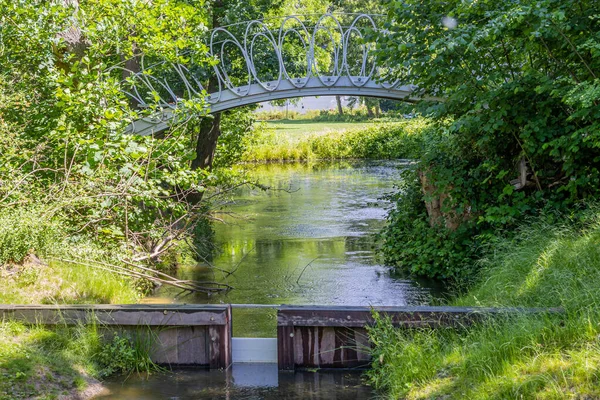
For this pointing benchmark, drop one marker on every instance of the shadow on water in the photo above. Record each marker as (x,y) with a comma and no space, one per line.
(242,381)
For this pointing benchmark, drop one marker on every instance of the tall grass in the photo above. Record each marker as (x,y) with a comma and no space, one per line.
(522,356)
(62,283)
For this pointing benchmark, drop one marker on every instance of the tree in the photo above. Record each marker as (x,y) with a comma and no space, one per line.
(65,105)
(518,130)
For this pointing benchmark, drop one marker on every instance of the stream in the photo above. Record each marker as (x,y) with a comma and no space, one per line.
(309,239)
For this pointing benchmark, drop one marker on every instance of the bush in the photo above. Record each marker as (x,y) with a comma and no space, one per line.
(378,141)
(124,355)
(400,139)
(413,246)
(24,231)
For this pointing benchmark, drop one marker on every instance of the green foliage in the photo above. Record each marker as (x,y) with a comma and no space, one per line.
(123,355)
(552,261)
(117,356)
(413,246)
(377,141)
(63,147)
(61,360)
(26,231)
(519,84)
(235,126)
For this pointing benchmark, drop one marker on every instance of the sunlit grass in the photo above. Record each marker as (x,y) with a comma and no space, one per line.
(48,362)
(307,140)
(61,283)
(545,356)
(297,129)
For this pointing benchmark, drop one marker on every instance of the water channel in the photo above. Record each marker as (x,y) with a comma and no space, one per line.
(309,239)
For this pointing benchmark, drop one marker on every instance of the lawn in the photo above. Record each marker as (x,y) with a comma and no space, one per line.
(297,129)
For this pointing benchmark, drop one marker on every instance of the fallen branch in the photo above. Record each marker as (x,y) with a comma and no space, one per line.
(239,263)
(185,285)
(306,266)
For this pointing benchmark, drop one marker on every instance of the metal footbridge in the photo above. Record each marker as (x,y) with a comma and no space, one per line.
(266,60)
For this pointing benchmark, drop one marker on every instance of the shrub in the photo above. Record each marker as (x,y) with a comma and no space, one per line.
(413,246)
(400,139)
(125,354)
(24,231)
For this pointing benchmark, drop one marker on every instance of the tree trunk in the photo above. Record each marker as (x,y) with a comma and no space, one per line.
(210,130)
(132,66)
(338,99)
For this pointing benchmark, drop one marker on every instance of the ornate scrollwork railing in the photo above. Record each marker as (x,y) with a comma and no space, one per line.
(264,60)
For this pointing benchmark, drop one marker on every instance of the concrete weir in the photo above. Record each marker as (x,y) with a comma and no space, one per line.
(307,336)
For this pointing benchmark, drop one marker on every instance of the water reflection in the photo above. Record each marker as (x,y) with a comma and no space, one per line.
(311,243)
(242,381)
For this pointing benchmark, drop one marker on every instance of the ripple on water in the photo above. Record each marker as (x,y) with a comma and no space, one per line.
(313,245)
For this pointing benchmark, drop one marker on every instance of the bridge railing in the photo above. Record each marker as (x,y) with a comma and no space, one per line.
(290,54)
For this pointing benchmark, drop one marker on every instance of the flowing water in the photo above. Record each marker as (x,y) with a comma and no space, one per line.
(241,382)
(309,239)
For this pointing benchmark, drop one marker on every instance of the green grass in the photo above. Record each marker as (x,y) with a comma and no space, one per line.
(308,140)
(47,363)
(61,283)
(536,356)
(297,129)
(44,362)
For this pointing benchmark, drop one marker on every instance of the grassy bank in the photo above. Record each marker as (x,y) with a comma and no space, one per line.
(48,362)
(44,362)
(544,356)
(308,140)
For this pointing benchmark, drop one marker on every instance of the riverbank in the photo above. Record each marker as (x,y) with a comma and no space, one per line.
(549,356)
(301,140)
(61,362)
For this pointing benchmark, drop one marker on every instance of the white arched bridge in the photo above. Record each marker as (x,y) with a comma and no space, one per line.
(267,60)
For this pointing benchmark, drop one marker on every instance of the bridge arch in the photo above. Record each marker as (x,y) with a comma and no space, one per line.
(339,39)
